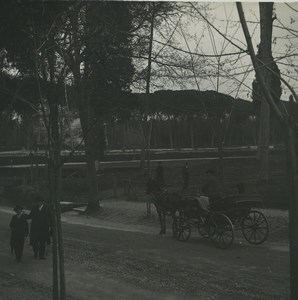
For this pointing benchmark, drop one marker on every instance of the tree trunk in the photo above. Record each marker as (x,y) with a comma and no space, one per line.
(54,170)
(142,156)
(171,134)
(291,160)
(88,125)
(56,258)
(148,80)
(142,146)
(87,117)
(265,55)
(293,209)
(219,141)
(191,131)
(56,186)
(54,234)
(89,134)
(263,140)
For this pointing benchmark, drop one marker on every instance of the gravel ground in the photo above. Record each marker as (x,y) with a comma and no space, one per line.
(132,262)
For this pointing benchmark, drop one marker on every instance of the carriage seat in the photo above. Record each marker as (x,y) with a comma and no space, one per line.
(205,204)
(193,206)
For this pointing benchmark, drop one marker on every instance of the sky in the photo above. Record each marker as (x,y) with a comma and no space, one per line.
(235,72)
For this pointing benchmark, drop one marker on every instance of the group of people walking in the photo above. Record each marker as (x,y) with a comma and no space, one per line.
(40,230)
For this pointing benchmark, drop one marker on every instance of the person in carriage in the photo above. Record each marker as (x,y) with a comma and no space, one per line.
(210,191)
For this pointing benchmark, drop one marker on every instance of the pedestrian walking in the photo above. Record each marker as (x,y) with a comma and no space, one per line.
(19,231)
(40,228)
(185,176)
(159,175)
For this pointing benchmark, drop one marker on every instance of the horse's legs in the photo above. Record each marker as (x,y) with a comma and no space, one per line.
(160,217)
(174,225)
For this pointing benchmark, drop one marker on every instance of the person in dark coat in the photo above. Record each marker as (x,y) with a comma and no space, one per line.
(159,175)
(40,228)
(19,231)
(210,191)
(211,187)
(185,175)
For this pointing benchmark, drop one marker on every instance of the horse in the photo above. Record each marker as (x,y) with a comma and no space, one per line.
(165,202)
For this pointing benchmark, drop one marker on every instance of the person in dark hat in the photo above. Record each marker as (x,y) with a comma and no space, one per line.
(211,187)
(40,228)
(185,176)
(19,231)
(210,191)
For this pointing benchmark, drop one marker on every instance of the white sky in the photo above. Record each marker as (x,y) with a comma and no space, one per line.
(224,16)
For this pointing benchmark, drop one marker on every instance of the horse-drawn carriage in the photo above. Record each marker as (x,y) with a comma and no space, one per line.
(218,222)
(222,219)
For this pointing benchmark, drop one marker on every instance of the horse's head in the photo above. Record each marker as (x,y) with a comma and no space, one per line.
(152,186)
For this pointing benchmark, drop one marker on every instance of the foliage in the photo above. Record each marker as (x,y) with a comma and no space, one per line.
(108,53)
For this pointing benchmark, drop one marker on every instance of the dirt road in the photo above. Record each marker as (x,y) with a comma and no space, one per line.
(108,264)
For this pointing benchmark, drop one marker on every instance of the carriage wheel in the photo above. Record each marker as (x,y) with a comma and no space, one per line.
(184,231)
(255,227)
(221,231)
(203,227)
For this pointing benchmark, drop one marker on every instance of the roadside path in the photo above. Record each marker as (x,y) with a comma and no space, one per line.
(32,279)
(119,223)
(118,262)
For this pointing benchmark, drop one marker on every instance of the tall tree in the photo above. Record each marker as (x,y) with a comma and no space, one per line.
(273,83)
(95,48)
(290,141)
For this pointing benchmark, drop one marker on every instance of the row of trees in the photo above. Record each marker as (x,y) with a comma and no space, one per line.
(179,119)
